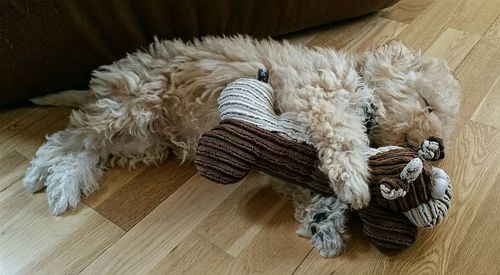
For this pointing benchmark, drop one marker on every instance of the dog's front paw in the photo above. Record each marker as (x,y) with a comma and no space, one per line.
(35,178)
(324,222)
(326,239)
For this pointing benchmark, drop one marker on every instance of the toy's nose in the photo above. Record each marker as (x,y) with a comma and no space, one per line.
(441,182)
(430,213)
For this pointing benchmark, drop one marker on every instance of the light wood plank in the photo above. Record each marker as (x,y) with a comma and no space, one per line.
(149,241)
(406,10)
(32,241)
(488,111)
(302,37)
(478,72)
(128,205)
(492,34)
(421,32)
(194,255)
(276,249)
(112,181)
(481,243)
(12,166)
(452,45)
(475,15)
(234,223)
(340,34)
(11,115)
(28,133)
(377,33)
(473,168)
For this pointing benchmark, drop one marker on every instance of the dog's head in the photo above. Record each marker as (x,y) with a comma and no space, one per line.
(417,97)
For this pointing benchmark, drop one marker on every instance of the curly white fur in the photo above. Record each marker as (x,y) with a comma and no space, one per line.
(165,98)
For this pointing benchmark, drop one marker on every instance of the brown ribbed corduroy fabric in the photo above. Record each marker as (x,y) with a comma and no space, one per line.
(227,153)
(386,168)
(387,229)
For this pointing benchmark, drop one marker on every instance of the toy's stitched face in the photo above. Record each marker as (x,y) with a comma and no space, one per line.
(432,212)
(404,183)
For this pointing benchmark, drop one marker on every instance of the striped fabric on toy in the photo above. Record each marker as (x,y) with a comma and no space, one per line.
(252,101)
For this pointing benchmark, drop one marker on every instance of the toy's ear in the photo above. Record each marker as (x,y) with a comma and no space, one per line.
(392,189)
(387,229)
(412,170)
(432,149)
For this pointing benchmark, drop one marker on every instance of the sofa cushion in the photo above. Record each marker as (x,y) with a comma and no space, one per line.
(53,45)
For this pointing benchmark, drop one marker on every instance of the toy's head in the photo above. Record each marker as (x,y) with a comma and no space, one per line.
(402,182)
(405,188)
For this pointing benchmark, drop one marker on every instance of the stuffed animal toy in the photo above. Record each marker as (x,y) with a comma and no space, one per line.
(407,192)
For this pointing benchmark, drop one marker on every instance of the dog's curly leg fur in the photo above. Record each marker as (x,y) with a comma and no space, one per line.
(338,134)
(70,164)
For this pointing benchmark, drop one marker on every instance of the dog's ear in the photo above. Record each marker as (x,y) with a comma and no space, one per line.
(391,54)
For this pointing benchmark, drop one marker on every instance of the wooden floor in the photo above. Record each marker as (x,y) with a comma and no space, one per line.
(168,219)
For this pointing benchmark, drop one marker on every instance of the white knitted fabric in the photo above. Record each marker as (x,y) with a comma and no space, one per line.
(252,101)
(430,213)
(428,149)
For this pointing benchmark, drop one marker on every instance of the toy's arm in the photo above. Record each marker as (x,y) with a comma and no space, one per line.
(387,229)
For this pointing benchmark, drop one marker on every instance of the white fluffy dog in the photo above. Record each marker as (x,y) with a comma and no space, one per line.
(162,100)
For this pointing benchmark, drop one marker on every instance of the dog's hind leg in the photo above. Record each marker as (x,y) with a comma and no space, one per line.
(68,165)
(127,151)
(126,109)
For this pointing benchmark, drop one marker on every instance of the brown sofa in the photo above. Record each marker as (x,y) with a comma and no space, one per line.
(53,45)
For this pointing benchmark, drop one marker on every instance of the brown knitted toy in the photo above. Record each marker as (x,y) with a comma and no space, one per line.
(407,192)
